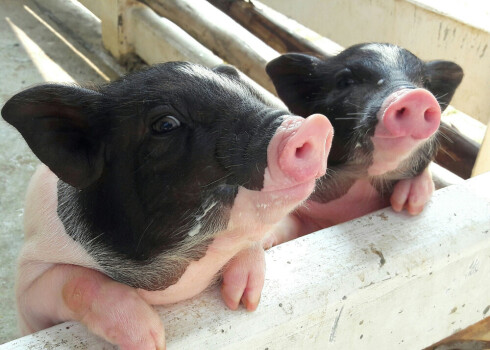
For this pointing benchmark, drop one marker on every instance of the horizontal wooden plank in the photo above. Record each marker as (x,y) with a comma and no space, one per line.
(359,285)
(221,34)
(280,32)
(156,39)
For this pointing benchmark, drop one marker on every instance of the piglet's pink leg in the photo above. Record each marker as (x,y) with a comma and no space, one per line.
(244,275)
(413,194)
(243,278)
(109,309)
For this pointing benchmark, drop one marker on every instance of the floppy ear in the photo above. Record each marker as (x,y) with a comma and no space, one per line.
(58,123)
(444,78)
(293,75)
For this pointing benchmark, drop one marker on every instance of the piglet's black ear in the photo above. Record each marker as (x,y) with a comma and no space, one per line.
(59,124)
(444,78)
(293,75)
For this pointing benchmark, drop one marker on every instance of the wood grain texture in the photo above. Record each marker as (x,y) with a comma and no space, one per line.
(458,152)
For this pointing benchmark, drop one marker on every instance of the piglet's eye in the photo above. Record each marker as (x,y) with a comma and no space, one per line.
(165,124)
(344,78)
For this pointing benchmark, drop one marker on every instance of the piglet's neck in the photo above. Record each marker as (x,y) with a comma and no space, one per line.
(107,216)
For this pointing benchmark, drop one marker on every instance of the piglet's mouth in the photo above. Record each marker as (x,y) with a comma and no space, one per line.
(298,191)
(396,145)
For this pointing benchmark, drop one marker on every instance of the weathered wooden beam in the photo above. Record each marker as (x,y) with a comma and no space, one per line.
(358,285)
(156,39)
(221,34)
(280,32)
(458,152)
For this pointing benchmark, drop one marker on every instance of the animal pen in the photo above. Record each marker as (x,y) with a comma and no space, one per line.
(383,281)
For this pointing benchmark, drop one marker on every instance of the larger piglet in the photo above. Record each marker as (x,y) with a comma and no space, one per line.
(152,185)
(385,106)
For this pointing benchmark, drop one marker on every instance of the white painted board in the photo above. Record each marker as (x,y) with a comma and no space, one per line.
(383,281)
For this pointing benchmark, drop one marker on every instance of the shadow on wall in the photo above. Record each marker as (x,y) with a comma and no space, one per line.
(34,46)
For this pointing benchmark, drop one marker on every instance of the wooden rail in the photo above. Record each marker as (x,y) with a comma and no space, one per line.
(383,281)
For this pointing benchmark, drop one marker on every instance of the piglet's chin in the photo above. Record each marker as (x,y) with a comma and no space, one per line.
(390,152)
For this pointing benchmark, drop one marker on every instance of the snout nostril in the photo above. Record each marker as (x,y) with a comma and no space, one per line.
(303,151)
(399,113)
(431,115)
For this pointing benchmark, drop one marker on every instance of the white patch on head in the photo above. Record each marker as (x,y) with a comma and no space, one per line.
(390,54)
(195,230)
(196,71)
(226,83)
(211,206)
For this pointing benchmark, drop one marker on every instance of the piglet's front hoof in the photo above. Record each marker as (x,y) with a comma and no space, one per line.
(243,278)
(115,312)
(413,194)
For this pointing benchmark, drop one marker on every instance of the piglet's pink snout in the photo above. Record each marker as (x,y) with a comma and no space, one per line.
(414,113)
(303,153)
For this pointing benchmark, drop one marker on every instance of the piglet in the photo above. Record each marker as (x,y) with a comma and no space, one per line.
(152,186)
(385,106)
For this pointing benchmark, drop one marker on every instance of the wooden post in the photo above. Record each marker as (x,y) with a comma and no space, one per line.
(113,15)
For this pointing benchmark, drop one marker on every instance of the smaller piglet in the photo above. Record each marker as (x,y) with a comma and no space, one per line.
(385,106)
(152,185)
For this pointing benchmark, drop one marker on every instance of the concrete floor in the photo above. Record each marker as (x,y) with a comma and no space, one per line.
(36,46)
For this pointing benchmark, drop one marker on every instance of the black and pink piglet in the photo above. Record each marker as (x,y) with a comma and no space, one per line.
(385,106)
(152,187)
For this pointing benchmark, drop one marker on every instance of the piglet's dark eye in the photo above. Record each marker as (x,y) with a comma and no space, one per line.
(165,124)
(344,78)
